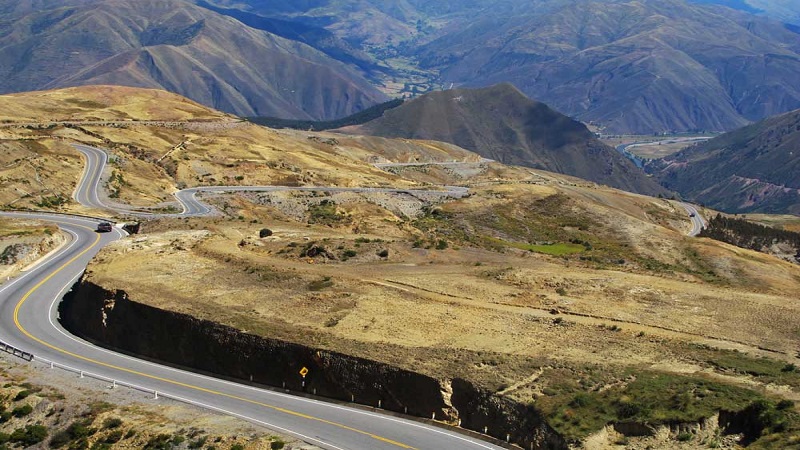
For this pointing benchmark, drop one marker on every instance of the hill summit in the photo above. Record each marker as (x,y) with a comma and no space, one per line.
(501,123)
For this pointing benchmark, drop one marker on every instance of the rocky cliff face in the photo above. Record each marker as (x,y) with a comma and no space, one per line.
(111,319)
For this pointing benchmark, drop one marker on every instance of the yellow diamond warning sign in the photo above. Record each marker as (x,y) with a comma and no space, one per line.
(304,372)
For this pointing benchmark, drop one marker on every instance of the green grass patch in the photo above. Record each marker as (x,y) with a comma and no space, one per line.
(575,410)
(557,249)
(765,369)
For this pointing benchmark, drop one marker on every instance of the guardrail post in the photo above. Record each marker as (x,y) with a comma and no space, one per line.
(81,374)
(113,384)
(379,403)
(52,366)
(433,416)
(155,395)
(486,430)
(508,438)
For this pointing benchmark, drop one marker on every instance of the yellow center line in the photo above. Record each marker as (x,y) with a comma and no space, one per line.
(166,380)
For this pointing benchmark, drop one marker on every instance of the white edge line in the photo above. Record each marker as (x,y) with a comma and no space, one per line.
(268,392)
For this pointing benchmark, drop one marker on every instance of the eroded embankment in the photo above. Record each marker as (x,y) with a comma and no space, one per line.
(111,319)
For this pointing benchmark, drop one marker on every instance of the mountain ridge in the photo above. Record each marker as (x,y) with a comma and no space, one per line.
(501,123)
(753,169)
(183,48)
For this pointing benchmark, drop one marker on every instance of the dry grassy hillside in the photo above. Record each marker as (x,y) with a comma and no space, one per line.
(557,293)
(150,160)
(109,103)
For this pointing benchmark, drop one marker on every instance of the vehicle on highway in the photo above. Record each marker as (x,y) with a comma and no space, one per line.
(103,227)
(692,214)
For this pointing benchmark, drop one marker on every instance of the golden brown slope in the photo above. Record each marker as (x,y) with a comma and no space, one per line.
(108,103)
(533,280)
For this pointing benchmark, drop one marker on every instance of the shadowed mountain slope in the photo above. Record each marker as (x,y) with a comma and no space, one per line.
(501,123)
(177,46)
(753,169)
(636,66)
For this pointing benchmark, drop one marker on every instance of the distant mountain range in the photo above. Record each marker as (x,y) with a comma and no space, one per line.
(632,66)
(623,66)
(787,11)
(178,46)
(753,169)
(501,123)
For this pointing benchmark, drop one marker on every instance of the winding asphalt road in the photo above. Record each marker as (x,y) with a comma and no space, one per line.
(28,321)
(698,223)
(87,192)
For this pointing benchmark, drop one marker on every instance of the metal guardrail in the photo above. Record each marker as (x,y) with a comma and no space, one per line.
(160,394)
(11,350)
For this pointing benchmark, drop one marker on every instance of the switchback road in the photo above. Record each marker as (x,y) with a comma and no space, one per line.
(28,320)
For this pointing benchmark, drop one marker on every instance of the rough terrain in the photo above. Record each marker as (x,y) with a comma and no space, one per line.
(577,303)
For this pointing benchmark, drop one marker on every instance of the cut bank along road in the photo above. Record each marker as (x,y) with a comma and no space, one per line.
(29,321)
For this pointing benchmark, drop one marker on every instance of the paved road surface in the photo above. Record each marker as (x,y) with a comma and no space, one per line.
(698,222)
(28,320)
(87,192)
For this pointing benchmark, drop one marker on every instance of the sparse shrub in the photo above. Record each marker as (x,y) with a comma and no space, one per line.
(441,244)
(561,291)
(114,437)
(685,437)
(112,422)
(22,411)
(784,405)
(160,442)
(265,232)
(350,253)
(580,400)
(79,444)
(22,395)
(789,368)
(318,285)
(30,435)
(60,439)
(383,253)
(198,442)
(276,445)
(237,447)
